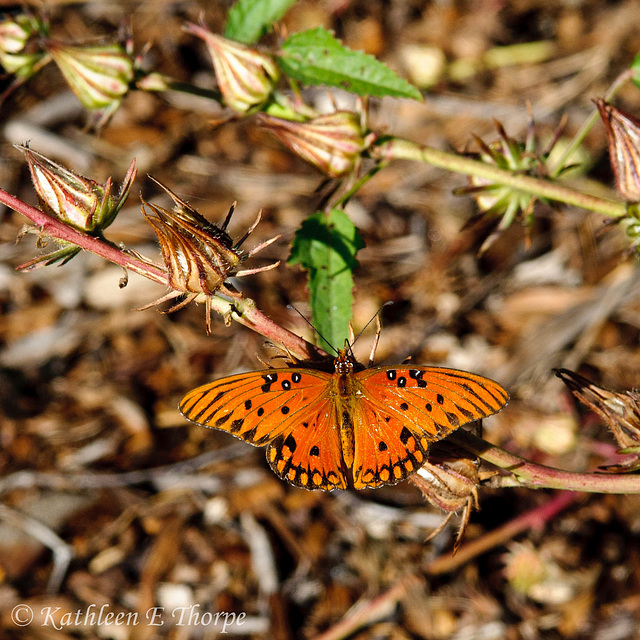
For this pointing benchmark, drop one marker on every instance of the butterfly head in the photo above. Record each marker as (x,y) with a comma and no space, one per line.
(345,362)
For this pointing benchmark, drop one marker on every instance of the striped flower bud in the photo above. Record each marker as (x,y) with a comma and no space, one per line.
(246,77)
(78,201)
(98,75)
(334,143)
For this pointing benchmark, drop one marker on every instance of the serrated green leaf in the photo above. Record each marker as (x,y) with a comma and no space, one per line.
(316,57)
(326,246)
(249,20)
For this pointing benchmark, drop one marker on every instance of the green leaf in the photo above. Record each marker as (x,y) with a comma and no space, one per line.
(249,20)
(316,57)
(326,246)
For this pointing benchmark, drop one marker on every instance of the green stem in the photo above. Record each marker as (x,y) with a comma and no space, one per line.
(618,83)
(525,473)
(397,148)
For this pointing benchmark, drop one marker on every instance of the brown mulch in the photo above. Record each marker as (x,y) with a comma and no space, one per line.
(112,502)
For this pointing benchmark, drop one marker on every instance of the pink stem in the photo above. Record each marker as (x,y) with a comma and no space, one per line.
(242,310)
(57,229)
(525,473)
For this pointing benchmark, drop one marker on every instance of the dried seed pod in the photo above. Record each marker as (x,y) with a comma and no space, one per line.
(620,411)
(198,255)
(449,480)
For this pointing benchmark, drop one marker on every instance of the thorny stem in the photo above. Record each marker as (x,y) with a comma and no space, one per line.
(242,310)
(53,228)
(525,473)
(396,148)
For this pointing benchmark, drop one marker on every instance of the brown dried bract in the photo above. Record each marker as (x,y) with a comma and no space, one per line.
(198,255)
(621,412)
(449,480)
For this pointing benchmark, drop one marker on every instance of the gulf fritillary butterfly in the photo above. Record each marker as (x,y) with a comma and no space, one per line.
(360,427)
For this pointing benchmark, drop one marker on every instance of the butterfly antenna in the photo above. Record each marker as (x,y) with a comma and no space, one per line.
(290,306)
(375,317)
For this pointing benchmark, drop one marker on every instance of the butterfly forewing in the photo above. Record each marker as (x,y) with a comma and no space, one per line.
(435,399)
(258,406)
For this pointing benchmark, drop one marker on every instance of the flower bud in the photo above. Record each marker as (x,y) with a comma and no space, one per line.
(98,75)
(78,201)
(333,143)
(15,34)
(246,77)
(623,137)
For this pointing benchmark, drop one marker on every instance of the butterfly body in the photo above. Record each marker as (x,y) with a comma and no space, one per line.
(355,426)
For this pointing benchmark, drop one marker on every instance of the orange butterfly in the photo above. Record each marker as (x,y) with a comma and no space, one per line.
(355,426)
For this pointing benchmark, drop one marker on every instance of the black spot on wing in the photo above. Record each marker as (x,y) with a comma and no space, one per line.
(405,434)
(269,379)
(290,443)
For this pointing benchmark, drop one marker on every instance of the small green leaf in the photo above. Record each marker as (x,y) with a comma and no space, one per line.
(249,20)
(316,57)
(326,246)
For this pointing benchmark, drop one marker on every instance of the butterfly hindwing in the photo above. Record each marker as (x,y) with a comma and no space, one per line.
(308,455)
(386,450)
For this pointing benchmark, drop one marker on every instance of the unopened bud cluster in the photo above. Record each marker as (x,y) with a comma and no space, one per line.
(17,55)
